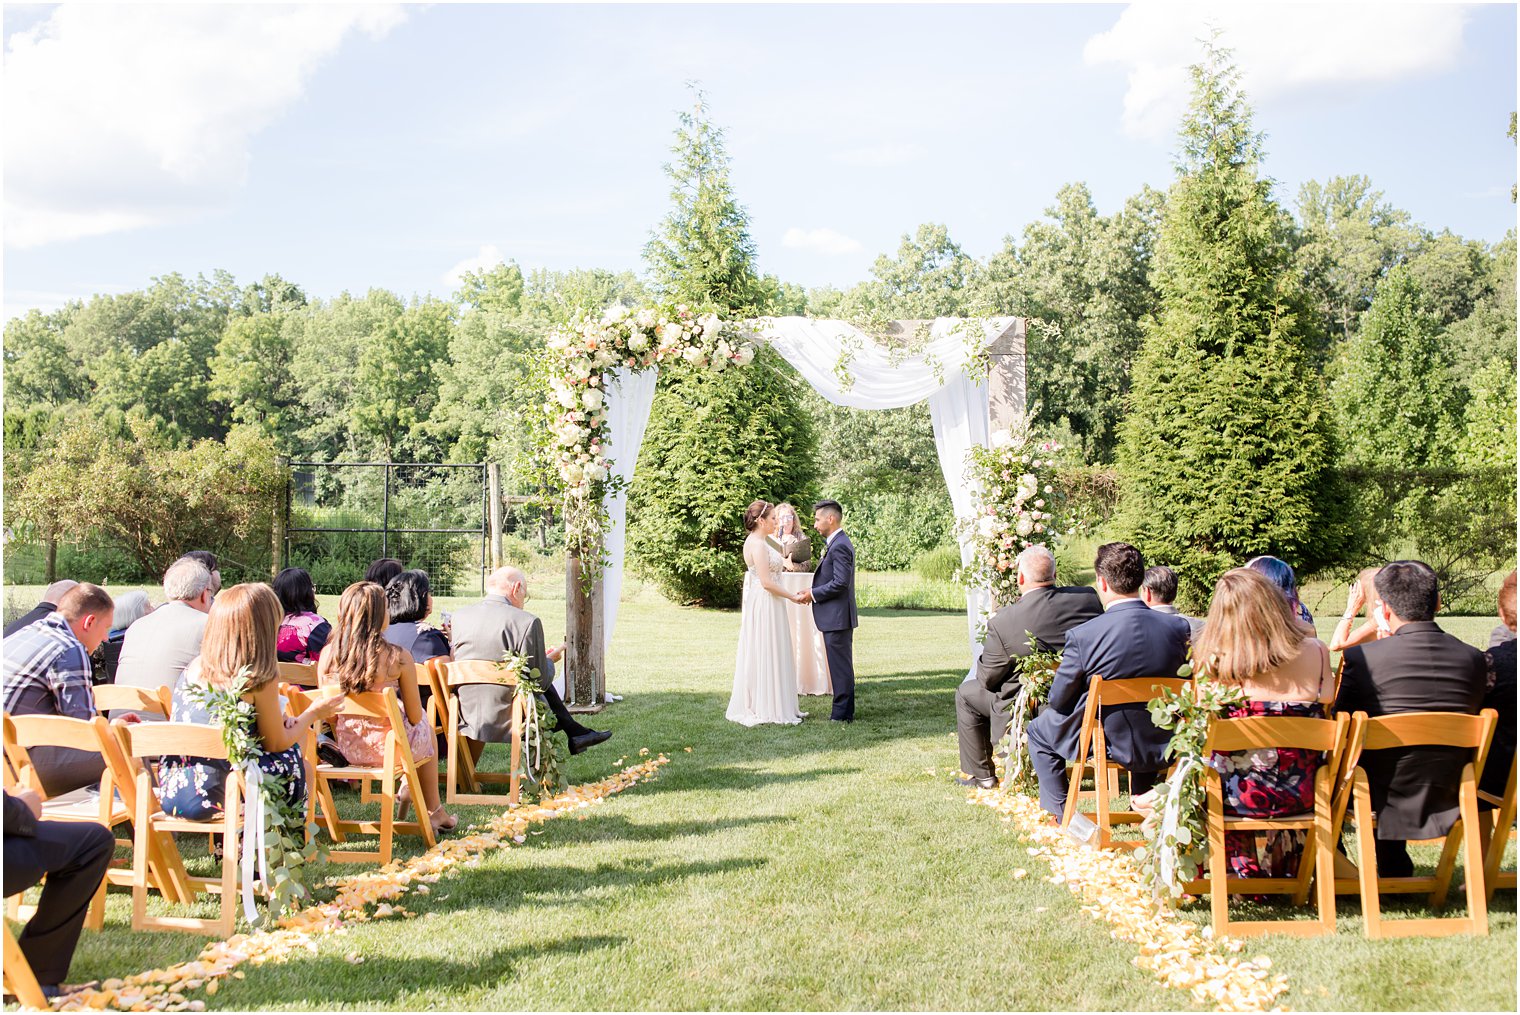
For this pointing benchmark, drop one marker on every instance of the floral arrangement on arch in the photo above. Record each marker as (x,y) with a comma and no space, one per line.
(1017,504)
(583,355)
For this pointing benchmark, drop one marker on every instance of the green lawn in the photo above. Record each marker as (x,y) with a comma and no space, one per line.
(811,867)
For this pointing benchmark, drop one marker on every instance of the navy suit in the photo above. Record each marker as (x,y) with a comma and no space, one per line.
(1129,640)
(835,617)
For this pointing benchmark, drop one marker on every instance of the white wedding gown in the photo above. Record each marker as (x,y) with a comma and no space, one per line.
(765,674)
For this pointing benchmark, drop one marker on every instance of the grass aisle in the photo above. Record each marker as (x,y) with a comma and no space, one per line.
(811,867)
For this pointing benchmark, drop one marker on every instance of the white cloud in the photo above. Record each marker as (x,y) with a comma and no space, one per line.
(489,256)
(881,156)
(820,241)
(1281,49)
(121,116)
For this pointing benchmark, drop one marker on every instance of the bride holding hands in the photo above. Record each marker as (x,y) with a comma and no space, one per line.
(765,675)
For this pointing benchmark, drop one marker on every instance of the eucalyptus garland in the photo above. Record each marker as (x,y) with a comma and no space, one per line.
(291,846)
(1037,671)
(542,763)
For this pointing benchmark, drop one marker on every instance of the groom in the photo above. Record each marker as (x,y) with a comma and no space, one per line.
(833,599)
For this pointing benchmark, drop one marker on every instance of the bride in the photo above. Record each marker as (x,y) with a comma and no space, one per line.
(765,676)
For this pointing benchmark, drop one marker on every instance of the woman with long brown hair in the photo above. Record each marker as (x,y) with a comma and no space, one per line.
(360,660)
(241,635)
(1254,640)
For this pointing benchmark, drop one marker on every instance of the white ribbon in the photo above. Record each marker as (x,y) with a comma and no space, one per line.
(1171,815)
(1014,767)
(253,835)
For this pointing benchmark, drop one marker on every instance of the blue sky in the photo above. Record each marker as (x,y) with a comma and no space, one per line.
(349,147)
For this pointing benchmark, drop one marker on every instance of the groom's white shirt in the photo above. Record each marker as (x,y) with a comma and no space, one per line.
(829,540)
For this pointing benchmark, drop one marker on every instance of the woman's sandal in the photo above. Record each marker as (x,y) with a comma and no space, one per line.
(446,823)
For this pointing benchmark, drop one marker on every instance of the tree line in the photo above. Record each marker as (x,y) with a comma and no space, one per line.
(1330,382)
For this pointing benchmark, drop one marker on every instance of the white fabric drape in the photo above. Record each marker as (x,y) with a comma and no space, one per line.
(872,379)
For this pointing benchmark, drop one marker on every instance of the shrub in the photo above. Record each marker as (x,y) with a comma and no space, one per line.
(891,528)
(938,564)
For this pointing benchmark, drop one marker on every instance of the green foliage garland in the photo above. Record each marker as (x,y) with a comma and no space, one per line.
(1037,671)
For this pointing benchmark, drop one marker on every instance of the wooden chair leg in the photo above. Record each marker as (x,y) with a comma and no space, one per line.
(1366,851)
(1324,864)
(1495,842)
(1102,774)
(19,979)
(1219,865)
(96,918)
(1447,864)
(1477,894)
(388,815)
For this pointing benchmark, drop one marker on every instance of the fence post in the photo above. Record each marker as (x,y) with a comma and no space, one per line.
(279,521)
(493,491)
(385,514)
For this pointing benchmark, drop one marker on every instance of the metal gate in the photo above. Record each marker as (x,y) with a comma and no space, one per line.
(340,516)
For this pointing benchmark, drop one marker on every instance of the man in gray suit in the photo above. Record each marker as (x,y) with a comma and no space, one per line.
(159,646)
(1159,590)
(489,630)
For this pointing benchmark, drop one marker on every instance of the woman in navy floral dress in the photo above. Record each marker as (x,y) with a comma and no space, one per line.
(1254,638)
(240,638)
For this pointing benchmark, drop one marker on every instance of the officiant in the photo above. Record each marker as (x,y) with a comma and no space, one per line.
(791,542)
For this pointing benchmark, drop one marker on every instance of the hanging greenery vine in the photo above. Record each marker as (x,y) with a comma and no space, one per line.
(1037,671)
(542,762)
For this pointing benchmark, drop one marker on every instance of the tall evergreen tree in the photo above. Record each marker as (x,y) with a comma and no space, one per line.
(1227,449)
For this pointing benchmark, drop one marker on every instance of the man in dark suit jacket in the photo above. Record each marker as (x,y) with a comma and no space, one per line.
(490,629)
(1501,697)
(1419,669)
(1129,640)
(49,604)
(982,705)
(833,599)
(74,856)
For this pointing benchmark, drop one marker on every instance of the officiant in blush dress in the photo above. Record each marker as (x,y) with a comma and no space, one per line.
(765,676)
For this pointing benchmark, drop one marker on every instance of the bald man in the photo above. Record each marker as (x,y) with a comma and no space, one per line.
(489,630)
(50,597)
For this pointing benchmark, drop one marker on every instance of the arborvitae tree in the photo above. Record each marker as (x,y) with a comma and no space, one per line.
(1227,450)
(716,441)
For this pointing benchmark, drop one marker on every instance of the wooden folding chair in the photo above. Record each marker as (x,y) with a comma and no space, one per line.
(1494,843)
(19,979)
(397,760)
(300,674)
(431,675)
(1091,742)
(461,766)
(154,700)
(1317,863)
(142,741)
(1422,729)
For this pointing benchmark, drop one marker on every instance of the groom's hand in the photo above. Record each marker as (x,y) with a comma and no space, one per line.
(805,596)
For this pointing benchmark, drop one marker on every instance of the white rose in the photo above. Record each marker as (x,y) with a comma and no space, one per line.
(691,353)
(1047,488)
(1025,526)
(645,318)
(597,473)
(1001,438)
(615,313)
(986,525)
(724,349)
(670,332)
(711,326)
(638,341)
(573,474)
(591,398)
(1039,503)
(565,397)
(745,356)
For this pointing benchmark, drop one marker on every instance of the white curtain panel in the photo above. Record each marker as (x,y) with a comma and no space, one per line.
(630,396)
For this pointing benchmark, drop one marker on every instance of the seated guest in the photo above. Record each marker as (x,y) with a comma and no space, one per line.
(1506,629)
(1128,640)
(490,629)
(1281,573)
(1419,668)
(130,608)
(50,597)
(47,672)
(1252,640)
(158,647)
(1500,697)
(1360,596)
(1159,591)
(383,570)
(409,601)
(303,632)
(239,642)
(73,856)
(1043,610)
(361,660)
(208,558)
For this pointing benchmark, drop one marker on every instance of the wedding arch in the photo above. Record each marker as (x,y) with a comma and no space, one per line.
(971,371)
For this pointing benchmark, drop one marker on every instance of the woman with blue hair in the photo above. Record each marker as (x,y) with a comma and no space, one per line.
(1280,573)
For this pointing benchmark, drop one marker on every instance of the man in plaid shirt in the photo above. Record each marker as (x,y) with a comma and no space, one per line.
(47,672)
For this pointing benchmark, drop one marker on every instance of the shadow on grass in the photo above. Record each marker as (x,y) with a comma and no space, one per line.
(616,826)
(502,889)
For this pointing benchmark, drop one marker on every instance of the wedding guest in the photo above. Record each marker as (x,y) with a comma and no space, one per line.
(1128,640)
(208,558)
(1042,610)
(1159,591)
(489,630)
(1500,696)
(383,570)
(70,858)
(1360,596)
(796,548)
(1506,629)
(239,644)
(1418,668)
(1253,640)
(130,608)
(47,672)
(409,601)
(1281,574)
(50,597)
(303,631)
(158,647)
(361,660)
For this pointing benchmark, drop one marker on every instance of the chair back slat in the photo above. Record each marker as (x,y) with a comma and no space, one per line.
(304,674)
(479,671)
(1257,732)
(158,700)
(152,739)
(53,731)
(1426,729)
(1133,690)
